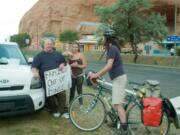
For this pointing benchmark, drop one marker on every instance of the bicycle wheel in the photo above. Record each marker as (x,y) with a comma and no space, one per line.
(137,127)
(163,128)
(134,120)
(88,116)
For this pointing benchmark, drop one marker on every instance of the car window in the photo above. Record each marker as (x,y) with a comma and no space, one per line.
(12,52)
(3,52)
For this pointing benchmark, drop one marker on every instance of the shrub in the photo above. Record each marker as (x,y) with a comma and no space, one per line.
(22,39)
(178,51)
(68,36)
(48,35)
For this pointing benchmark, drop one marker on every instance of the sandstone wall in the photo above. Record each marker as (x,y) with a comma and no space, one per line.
(57,15)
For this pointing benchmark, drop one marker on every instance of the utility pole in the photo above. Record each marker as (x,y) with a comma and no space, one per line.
(175,20)
(175,16)
(37,35)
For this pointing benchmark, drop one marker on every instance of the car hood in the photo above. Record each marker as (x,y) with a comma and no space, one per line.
(12,75)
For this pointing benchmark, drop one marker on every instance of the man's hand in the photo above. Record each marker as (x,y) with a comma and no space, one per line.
(35,72)
(61,66)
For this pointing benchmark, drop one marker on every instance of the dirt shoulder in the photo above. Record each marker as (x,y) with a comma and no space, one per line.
(168,61)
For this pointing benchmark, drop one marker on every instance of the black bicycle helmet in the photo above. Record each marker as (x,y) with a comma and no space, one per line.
(110,33)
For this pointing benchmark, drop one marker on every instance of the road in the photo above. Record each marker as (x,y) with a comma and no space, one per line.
(169,78)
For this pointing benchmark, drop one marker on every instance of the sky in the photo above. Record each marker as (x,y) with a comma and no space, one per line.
(11,12)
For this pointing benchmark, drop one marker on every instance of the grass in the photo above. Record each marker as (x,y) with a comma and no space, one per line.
(142,59)
(43,123)
(127,59)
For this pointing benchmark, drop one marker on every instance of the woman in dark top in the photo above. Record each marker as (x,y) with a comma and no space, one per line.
(77,62)
(116,72)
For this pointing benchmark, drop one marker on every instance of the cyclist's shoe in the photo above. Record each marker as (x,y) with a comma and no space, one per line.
(56,115)
(120,132)
(65,115)
(123,132)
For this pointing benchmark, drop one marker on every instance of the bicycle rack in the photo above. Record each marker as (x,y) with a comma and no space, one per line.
(176,104)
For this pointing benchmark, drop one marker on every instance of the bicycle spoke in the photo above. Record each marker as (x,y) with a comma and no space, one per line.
(137,127)
(162,129)
(88,116)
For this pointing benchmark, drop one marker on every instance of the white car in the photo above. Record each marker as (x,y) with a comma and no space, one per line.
(19,91)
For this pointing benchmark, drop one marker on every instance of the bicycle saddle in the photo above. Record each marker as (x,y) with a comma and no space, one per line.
(153,83)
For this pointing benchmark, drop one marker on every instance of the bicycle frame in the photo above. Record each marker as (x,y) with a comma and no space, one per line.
(132,105)
(131,95)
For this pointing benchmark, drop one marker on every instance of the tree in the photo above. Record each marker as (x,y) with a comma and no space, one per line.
(133,22)
(68,36)
(49,35)
(178,51)
(22,39)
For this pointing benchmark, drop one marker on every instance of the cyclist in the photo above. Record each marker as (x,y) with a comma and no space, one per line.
(114,66)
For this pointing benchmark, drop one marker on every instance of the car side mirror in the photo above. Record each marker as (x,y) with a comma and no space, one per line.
(3,60)
(30,60)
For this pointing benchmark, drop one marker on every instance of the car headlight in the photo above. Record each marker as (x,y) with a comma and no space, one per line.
(36,83)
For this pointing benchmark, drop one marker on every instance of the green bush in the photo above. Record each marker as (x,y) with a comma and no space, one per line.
(22,39)
(48,35)
(68,36)
(178,51)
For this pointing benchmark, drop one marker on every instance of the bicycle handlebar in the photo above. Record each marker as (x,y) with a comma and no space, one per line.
(103,83)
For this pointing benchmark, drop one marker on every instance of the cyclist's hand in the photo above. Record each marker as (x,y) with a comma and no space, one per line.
(93,76)
(74,64)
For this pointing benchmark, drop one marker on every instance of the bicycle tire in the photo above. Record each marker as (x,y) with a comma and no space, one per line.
(138,128)
(89,116)
(163,128)
(134,119)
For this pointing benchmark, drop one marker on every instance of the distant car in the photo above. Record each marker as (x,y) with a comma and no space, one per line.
(19,92)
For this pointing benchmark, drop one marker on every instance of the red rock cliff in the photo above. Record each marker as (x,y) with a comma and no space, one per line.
(57,15)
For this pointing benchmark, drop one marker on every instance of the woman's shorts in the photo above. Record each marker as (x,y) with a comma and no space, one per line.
(118,89)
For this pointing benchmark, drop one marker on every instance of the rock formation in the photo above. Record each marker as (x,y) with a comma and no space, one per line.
(58,15)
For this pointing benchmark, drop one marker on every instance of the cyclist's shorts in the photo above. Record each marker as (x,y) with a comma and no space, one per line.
(118,89)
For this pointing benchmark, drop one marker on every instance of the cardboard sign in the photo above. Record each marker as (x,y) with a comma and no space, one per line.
(57,80)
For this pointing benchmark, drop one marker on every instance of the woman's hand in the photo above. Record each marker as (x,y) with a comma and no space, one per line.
(68,53)
(74,64)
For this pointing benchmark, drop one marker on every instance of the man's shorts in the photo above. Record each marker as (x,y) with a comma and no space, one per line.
(118,89)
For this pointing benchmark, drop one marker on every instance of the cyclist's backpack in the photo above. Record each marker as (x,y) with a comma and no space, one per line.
(152,111)
(152,88)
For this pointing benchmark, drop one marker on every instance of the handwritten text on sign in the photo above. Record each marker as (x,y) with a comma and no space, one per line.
(57,80)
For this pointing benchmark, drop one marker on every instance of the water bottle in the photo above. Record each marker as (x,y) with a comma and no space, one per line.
(142,92)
